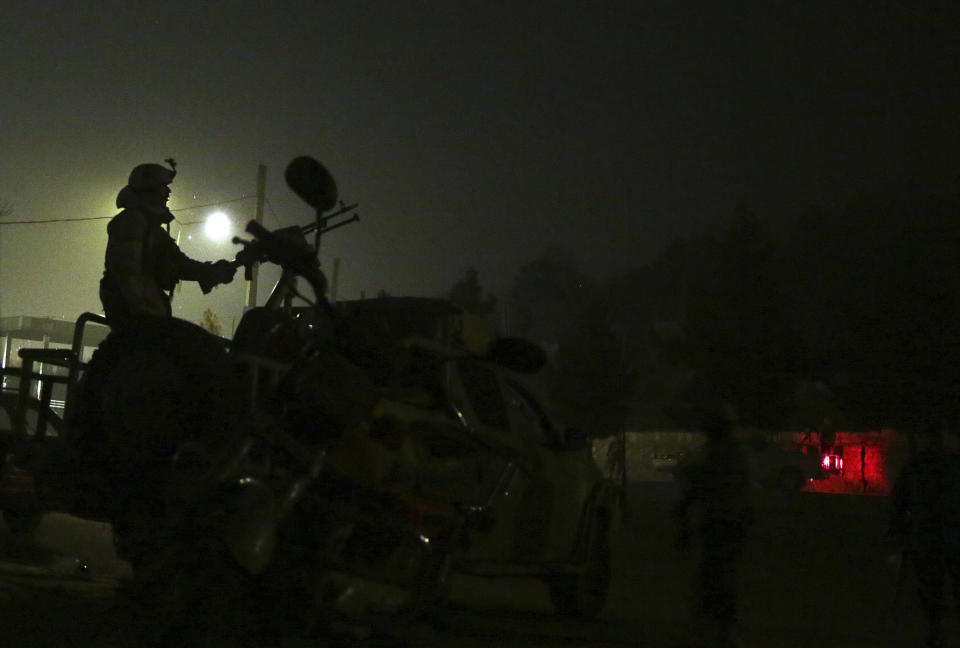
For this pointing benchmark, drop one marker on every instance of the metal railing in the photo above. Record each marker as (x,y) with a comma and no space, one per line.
(69,359)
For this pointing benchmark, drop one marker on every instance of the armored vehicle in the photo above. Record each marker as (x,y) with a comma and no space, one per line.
(349,457)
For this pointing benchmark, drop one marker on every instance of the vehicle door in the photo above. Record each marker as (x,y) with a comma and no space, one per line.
(562,480)
(502,467)
(450,463)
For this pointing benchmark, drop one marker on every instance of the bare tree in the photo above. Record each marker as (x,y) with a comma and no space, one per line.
(211,322)
(468,293)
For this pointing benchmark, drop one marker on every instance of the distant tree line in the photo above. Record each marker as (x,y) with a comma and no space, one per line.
(849,314)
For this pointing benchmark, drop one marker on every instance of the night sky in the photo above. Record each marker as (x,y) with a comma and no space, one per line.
(471,133)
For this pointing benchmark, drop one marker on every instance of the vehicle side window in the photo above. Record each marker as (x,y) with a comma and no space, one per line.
(483,390)
(527,417)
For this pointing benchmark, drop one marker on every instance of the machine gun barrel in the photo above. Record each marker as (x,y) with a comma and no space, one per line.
(255,252)
(322,222)
(352,219)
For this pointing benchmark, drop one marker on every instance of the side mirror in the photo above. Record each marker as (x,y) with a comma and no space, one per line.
(575,439)
(312,182)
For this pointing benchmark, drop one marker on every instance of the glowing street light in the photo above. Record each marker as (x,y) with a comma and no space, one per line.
(217,226)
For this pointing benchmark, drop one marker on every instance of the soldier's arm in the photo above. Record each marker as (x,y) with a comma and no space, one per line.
(689,478)
(901,518)
(178,264)
(179,267)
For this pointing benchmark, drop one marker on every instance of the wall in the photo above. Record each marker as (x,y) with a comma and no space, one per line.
(871,459)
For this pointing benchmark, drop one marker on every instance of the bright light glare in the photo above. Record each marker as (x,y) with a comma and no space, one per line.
(217,226)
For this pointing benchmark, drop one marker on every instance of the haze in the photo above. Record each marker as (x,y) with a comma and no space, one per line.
(471,134)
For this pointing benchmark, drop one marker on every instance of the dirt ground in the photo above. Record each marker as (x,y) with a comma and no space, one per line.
(815,573)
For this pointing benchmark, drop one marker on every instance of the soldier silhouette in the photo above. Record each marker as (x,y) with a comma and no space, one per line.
(716,489)
(926,525)
(156,381)
(142,261)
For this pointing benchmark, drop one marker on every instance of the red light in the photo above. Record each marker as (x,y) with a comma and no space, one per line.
(832,462)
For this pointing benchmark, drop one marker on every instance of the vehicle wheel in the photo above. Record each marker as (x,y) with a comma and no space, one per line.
(584,594)
(193,594)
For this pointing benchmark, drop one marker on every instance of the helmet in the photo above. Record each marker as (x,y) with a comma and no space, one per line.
(150,176)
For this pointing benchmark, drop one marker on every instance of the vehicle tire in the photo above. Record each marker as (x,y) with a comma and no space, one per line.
(192,595)
(583,595)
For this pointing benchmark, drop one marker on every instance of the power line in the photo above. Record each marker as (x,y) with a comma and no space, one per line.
(93,218)
(222,202)
(54,220)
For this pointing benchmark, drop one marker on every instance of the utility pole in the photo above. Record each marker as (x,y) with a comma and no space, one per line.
(5,210)
(251,298)
(336,278)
